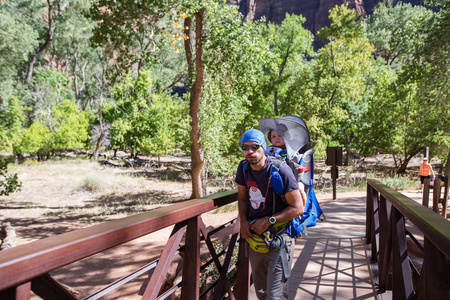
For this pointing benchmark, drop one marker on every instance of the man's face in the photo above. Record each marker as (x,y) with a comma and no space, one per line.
(251,155)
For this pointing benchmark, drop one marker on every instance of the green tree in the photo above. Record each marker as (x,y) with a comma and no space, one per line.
(334,84)
(394,118)
(49,58)
(409,116)
(126,30)
(291,43)
(234,57)
(35,140)
(11,119)
(16,43)
(69,126)
(142,121)
(197,25)
(395,31)
(161,123)
(431,64)
(64,127)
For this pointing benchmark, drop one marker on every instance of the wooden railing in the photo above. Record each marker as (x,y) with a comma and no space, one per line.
(437,185)
(27,267)
(387,213)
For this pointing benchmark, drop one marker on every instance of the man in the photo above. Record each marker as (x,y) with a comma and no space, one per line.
(425,171)
(257,212)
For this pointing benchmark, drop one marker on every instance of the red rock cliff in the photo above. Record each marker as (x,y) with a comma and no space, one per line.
(315,11)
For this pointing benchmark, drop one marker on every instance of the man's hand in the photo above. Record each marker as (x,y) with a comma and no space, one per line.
(260,225)
(245,229)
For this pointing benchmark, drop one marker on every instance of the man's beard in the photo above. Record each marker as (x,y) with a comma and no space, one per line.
(254,162)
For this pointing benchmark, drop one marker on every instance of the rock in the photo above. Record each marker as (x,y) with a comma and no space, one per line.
(7,236)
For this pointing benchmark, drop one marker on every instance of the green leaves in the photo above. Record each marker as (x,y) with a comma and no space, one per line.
(396,31)
(290,44)
(11,118)
(9,183)
(65,128)
(142,121)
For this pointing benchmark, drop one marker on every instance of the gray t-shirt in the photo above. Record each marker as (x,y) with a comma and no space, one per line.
(260,194)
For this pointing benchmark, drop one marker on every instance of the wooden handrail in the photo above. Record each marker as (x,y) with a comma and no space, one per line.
(387,212)
(22,264)
(431,224)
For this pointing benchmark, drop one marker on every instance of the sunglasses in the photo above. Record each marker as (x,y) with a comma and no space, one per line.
(253,146)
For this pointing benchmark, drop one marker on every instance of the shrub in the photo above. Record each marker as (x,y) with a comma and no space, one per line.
(92,183)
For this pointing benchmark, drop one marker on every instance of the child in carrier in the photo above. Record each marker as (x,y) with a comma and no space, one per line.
(291,143)
(278,148)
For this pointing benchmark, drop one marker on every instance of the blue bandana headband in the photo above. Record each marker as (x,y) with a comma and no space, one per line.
(254,135)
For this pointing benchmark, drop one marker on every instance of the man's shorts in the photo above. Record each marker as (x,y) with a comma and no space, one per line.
(422,178)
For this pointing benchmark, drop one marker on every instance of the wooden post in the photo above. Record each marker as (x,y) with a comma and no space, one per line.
(436,273)
(334,176)
(334,159)
(436,194)
(403,287)
(191,261)
(369,213)
(18,292)
(243,272)
(426,192)
(242,287)
(445,198)
(375,227)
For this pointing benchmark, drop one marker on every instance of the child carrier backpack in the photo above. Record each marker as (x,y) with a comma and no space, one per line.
(300,159)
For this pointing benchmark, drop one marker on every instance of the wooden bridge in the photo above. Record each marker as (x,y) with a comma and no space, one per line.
(377,245)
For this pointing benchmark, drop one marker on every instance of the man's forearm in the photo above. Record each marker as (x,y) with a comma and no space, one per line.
(286,214)
(243,209)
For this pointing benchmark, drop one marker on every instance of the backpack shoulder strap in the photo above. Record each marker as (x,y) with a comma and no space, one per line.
(245,170)
(276,163)
(276,182)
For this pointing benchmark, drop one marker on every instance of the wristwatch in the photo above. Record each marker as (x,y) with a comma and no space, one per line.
(272,220)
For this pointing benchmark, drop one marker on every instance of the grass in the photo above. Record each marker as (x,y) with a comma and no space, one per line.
(399,183)
(227,208)
(92,183)
(354,186)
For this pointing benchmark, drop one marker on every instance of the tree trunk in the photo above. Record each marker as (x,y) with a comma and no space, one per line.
(99,143)
(275,103)
(44,47)
(347,157)
(404,164)
(188,46)
(447,165)
(102,131)
(197,156)
(402,168)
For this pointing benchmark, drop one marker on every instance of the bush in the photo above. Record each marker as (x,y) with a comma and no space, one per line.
(92,183)
(67,128)
(9,183)
(35,139)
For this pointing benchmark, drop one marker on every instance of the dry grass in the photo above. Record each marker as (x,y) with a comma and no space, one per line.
(64,195)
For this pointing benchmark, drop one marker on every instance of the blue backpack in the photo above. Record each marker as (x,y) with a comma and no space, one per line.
(312,210)
(300,159)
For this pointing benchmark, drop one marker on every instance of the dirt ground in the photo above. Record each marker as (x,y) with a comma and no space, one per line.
(66,195)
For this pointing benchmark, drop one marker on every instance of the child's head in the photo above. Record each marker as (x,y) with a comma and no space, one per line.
(276,139)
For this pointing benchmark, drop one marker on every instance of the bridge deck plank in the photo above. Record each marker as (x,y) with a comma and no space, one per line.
(332,262)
